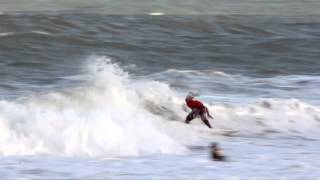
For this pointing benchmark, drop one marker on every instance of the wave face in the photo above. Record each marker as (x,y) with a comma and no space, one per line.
(219,86)
(117,115)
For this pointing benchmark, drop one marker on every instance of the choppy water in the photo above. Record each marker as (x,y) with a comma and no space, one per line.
(182,7)
(100,86)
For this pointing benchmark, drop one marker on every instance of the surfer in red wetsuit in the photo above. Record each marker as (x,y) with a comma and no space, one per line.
(198,109)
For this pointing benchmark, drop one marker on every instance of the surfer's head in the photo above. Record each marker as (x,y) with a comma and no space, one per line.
(191,95)
(214,145)
(217,153)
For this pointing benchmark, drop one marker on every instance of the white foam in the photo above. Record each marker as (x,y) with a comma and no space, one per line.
(106,118)
(271,116)
(114,115)
(41,32)
(6,34)
(157,14)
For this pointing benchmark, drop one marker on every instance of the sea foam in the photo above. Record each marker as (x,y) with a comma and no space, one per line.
(104,118)
(114,114)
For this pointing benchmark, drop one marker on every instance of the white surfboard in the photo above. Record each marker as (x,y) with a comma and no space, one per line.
(223,132)
(216,131)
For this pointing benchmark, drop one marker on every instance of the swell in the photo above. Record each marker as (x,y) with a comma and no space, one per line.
(259,45)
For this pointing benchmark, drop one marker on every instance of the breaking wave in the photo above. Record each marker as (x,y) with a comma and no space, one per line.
(117,115)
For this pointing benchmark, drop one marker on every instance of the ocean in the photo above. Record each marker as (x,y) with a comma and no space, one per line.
(95,89)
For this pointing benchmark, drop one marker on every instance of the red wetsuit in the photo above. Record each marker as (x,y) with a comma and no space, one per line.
(191,103)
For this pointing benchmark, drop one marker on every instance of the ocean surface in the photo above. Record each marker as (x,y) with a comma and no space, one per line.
(95,89)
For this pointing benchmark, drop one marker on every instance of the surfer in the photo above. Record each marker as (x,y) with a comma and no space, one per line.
(198,109)
(217,153)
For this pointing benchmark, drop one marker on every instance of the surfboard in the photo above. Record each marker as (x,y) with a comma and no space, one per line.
(223,132)
(215,131)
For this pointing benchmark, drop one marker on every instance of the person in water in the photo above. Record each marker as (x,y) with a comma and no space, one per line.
(217,153)
(198,109)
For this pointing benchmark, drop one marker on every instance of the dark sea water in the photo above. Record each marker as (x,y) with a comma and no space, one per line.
(100,86)
(41,49)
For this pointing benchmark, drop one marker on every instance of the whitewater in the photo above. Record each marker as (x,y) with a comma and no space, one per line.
(115,118)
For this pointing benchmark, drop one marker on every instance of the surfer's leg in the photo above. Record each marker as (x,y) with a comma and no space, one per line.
(204,119)
(207,123)
(189,118)
(193,114)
